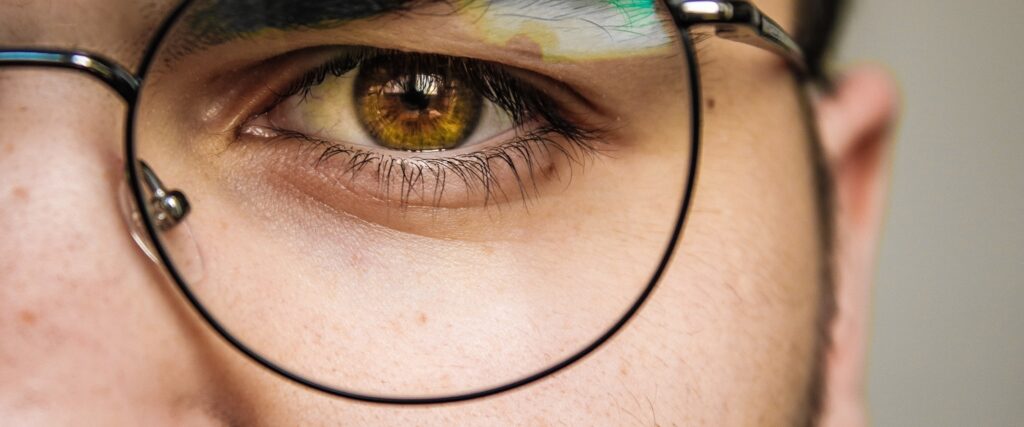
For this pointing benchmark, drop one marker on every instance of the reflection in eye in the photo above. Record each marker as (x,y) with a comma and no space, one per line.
(420,111)
(416,118)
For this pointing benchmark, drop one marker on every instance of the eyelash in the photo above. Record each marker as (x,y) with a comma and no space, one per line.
(553,135)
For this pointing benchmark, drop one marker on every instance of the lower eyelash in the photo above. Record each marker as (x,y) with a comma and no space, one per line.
(476,171)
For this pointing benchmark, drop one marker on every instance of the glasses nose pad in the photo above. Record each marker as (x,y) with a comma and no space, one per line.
(178,240)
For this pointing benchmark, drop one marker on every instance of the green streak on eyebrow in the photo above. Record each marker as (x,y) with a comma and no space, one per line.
(637,13)
(573,30)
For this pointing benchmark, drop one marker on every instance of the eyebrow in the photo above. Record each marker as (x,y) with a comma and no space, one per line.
(218,21)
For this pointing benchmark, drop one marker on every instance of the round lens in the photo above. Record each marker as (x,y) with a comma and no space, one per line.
(416,200)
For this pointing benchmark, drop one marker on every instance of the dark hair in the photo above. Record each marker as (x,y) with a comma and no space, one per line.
(818,22)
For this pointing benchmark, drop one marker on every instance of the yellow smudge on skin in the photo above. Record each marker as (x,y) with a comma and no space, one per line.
(566,30)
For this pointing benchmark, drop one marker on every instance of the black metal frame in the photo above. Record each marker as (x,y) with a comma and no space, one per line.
(737,20)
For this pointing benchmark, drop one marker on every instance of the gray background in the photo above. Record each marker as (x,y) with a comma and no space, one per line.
(947,344)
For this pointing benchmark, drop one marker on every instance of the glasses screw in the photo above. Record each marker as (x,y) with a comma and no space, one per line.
(169,207)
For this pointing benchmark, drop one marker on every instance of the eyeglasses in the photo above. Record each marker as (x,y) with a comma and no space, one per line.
(416,202)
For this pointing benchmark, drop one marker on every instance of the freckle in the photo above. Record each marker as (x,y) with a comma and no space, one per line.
(421,318)
(20,193)
(394,326)
(27,317)
(8,148)
(488,250)
(711,103)
(624,369)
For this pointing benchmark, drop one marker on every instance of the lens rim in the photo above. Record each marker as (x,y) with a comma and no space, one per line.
(151,228)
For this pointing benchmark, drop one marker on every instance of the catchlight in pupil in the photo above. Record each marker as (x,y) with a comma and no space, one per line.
(423,111)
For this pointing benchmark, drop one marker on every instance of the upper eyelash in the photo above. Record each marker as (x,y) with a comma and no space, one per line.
(337,66)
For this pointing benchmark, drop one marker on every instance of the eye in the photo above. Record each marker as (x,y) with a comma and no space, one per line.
(423,123)
(393,102)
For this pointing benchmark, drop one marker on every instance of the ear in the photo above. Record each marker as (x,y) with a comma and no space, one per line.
(856,121)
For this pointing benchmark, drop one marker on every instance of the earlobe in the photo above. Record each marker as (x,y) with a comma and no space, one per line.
(856,121)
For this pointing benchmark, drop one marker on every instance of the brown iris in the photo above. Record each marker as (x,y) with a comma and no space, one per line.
(415,110)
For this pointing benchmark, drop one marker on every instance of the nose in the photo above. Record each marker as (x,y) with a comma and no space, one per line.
(59,162)
(86,323)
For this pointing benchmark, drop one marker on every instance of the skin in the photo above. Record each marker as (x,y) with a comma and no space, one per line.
(91,333)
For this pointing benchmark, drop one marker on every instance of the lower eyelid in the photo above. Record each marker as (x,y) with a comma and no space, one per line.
(288,175)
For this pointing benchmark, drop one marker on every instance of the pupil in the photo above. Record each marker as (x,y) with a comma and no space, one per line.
(413,98)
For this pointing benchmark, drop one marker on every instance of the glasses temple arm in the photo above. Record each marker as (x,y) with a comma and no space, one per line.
(741,21)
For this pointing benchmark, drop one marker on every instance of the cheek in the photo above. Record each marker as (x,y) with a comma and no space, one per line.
(743,305)
(730,334)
